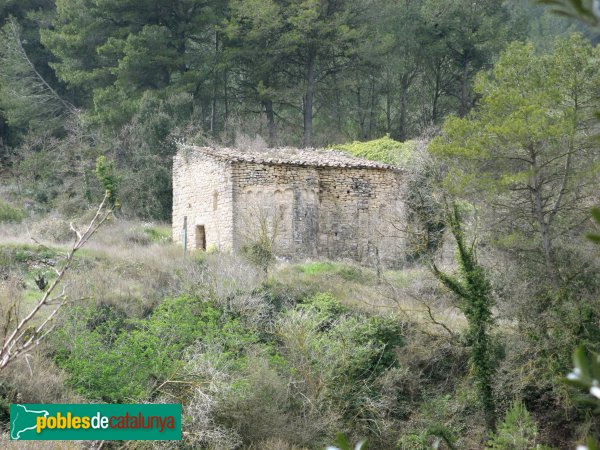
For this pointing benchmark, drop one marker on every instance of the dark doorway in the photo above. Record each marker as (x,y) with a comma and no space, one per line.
(200,237)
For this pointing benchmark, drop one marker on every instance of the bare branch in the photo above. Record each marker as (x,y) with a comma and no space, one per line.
(26,335)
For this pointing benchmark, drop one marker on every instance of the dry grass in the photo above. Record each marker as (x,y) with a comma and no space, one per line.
(413,293)
(6,443)
(35,379)
(122,266)
(275,444)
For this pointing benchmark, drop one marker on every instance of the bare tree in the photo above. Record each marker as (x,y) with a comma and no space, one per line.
(27,97)
(263,226)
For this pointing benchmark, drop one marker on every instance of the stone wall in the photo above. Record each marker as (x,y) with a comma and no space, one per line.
(359,215)
(202,191)
(321,211)
(283,195)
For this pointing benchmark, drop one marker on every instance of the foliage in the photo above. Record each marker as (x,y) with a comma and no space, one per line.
(437,429)
(263,226)
(113,359)
(585,376)
(24,333)
(125,58)
(341,356)
(10,213)
(145,174)
(158,234)
(587,10)
(211,72)
(325,305)
(26,97)
(517,431)
(342,443)
(385,150)
(475,300)
(345,271)
(586,372)
(286,365)
(526,150)
(593,236)
(105,172)
(425,211)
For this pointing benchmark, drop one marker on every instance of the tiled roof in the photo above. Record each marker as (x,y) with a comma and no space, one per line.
(291,156)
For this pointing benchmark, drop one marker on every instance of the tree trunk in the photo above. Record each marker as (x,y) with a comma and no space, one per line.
(360,113)
(388,111)
(539,213)
(403,107)
(268,105)
(436,93)
(308,98)
(213,110)
(372,121)
(465,101)
(226,100)
(213,107)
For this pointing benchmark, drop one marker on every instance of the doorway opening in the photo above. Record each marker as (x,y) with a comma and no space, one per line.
(200,237)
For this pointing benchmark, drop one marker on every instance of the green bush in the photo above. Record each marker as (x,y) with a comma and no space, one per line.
(10,213)
(118,360)
(517,431)
(374,340)
(385,150)
(324,304)
(158,234)
(341,359)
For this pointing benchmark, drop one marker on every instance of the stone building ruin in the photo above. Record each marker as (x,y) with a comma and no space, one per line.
(317,203)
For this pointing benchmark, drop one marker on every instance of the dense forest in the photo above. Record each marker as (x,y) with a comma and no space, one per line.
(128,79)
(489,107)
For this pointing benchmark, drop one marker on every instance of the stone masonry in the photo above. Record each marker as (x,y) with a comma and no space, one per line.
(317,203)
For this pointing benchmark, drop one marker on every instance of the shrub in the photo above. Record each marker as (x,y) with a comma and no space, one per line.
(517,431)
(384,150)
(10,213)
(340,359)
(117,360)
(158,234)
(347,272)
(34,380)
(324,305)
(53,229)
(137,237)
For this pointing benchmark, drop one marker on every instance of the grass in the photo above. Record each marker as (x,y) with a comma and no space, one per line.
(348,272)
(409,293)
(406,277)
(110,269)
(158,234)
(135,274)
(315,268)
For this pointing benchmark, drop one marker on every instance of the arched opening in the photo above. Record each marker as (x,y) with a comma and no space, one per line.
(200,237)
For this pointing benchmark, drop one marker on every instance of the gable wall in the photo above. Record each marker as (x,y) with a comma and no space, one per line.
(203,191)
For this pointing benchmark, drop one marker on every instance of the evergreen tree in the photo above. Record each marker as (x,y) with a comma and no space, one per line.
(526,150)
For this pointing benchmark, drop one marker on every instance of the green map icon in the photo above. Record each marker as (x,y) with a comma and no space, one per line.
(23,419)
